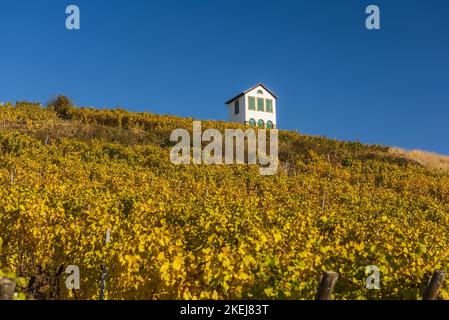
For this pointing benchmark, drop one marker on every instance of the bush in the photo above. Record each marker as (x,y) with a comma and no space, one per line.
(61,105)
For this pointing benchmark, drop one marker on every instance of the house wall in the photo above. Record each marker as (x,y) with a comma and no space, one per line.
(245,114)
(240,118)
(256,115)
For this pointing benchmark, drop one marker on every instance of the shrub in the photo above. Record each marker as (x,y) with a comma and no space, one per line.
(61,105)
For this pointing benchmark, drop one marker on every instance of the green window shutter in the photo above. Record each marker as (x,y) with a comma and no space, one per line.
(261,123)
(269,105)
(252,122)
(251,103)
(260,104)
(269,124)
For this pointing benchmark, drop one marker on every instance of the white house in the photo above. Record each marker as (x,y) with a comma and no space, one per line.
(255,106)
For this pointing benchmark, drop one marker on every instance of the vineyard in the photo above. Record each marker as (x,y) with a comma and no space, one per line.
(208,231)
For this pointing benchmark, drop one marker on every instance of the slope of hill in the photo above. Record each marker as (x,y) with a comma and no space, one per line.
(219,231)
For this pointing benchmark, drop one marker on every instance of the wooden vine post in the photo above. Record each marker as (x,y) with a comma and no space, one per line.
(104,270)
(327,284)
(7,288)
(435,285)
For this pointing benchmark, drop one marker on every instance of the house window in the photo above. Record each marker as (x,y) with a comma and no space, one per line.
(259,92)
(261,124)
(251,103)
(269,124)
(260,104)
(252,122)
(237,107)
(269,105)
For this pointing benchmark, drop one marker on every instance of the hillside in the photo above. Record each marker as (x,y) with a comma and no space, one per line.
(216,232)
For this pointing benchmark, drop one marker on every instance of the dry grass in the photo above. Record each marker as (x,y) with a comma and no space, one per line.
(429,160)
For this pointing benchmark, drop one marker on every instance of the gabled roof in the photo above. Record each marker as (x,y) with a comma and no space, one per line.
(245,92)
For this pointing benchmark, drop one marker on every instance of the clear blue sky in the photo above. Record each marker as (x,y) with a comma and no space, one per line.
(333,77)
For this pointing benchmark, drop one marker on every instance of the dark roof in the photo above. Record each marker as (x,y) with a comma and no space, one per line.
(245,92)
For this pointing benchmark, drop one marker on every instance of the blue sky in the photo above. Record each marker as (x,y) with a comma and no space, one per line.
(333,77)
